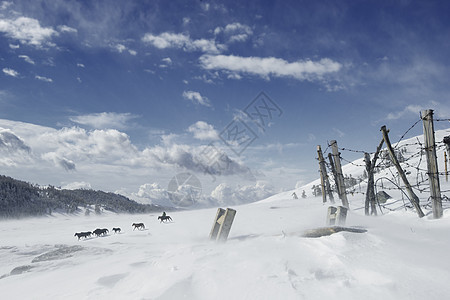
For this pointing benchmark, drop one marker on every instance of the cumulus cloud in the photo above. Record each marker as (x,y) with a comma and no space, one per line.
(225,194)
(27,59)
(42,78)
(152,193)
(10,72)
(13,149)
(203,131)
(205,159)
(182,41)
(47,155)
(196,98)
(80,65)
(10,142)
(270,66)
(104,120)
(122,48)
(27,31)
(235,32)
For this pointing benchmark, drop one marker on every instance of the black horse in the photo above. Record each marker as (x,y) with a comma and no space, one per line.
(83,234)
(116,230)
(99,232)
(139,226)
(164,218)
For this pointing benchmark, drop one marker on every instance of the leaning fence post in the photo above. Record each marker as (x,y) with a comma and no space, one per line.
(222,224)
(412,197)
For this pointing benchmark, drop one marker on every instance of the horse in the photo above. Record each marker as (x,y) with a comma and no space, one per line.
(164,218)
(83,234)
(139,226)
(99,232)
(116,230)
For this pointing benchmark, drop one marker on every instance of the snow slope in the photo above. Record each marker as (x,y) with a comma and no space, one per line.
(399,257)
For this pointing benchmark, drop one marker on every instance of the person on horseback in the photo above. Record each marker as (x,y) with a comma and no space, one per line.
(164,214)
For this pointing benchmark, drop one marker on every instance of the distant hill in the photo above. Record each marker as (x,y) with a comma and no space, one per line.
(23,199)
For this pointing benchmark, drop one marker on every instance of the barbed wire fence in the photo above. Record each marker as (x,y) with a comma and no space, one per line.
(410,155)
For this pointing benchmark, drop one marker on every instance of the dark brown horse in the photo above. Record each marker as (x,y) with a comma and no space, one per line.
(116,230)
(139,226)
(83,234)
(99,232)
(164,218)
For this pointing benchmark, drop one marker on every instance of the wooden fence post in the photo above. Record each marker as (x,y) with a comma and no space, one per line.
(445,161)
(324,177)
(340,175)
(336,215)
(447,143)
(430,150)
(222,224)
(370,168)
(333,170)
(412,197)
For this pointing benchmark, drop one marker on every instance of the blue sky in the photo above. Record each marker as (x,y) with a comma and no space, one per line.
(124,95)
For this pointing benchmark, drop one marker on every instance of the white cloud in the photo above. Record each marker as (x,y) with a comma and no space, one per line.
(63,162)
(166,40)
(11,142)
(225,194)
(27,59)
(27,31)
(205,6)
(441,110)
(104,120)
(409,109)
(235,27)
(196,98)
(122,48)
(107,157)
(180,40)
(42,78)
(167,60)
(5,4)
(203,131)
(10,72)
(65,28)
(235,32)
(14,46)
(152,193)
(270,66)
(80,65)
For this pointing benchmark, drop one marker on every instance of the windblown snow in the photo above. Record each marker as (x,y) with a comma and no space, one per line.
(401,256)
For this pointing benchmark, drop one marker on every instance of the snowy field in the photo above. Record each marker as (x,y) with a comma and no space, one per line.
(399,257)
